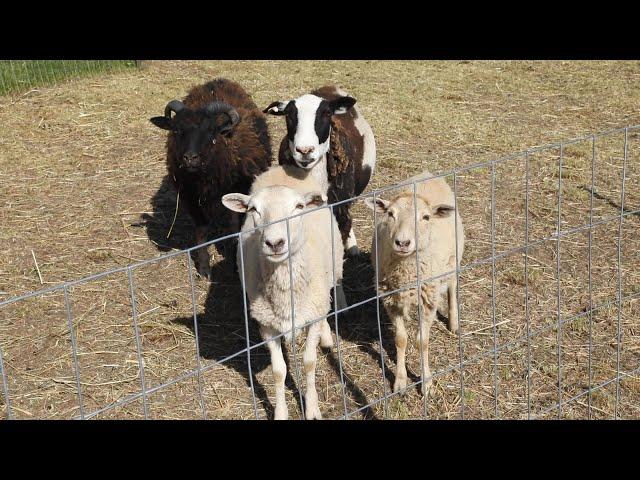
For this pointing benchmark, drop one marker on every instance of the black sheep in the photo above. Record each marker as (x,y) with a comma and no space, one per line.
(218,142)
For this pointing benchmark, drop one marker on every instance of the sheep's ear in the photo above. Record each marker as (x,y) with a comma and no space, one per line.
(276,108)
(236,202)
(164,123)
(341,105)
(443,211)
(379,205)
(315,199)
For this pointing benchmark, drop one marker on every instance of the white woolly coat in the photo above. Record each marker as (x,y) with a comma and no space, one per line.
(267,283)
(436,256)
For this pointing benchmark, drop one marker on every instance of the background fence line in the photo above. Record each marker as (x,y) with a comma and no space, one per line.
(19,76)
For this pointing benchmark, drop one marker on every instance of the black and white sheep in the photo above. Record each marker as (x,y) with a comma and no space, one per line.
(218,142)
(328,137)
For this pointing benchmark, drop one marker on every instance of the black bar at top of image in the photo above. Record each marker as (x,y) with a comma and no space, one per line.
(399,33)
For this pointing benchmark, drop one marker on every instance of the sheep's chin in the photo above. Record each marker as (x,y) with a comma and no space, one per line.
(402,254)
(306,165)
(191,169)
(277,258)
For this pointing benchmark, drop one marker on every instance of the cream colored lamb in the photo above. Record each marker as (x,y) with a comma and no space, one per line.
(276,194)
(396,260)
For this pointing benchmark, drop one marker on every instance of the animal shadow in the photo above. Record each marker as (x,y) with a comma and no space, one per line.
(360,324)
(222,330)
(611,203)
(222,334)
(167,234)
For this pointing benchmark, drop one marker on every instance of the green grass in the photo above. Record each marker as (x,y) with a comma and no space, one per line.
(21,75)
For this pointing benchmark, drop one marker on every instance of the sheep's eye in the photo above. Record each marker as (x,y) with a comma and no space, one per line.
(390,213)
(425,217)
(300,206)
(251,209)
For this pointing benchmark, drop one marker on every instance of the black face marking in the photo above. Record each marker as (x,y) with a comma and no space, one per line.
(194,133)
(291,117)
(323,121)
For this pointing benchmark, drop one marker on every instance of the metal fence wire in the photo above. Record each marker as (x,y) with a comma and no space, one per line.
(544,307)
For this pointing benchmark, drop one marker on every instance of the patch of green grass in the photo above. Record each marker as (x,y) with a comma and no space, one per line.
(469,396)
(398,409)
(579,325)
(21,75)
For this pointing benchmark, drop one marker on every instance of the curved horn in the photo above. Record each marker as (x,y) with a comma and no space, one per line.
(223,107)
(173,105)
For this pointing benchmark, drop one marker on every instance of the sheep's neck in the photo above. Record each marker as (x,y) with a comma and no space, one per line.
(319,172)
(280,271)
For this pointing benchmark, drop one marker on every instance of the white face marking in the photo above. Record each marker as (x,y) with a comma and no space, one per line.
(351,244)
(306,136)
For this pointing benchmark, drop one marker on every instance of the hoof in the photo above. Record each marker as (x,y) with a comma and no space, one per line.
(313,414)
(281,414)
(426,387)
(326,341)
(453,329)
(399,385)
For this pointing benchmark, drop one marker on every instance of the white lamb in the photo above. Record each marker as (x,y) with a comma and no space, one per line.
(436,255)
(278,193)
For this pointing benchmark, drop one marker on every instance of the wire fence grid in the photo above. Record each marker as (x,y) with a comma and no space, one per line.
(17,76)
(553,308)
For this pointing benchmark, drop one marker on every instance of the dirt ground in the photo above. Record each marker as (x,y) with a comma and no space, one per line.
(83,190)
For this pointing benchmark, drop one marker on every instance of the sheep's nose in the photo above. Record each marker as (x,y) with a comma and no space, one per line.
(276,246)
(403,243)
(190,157)
(305,150)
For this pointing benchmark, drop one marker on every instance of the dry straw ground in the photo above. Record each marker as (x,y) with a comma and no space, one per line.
(82,190)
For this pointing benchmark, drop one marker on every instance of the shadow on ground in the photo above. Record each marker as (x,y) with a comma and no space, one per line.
(222,333)
(159,223)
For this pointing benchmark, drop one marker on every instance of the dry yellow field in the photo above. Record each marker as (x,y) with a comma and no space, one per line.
(83,190)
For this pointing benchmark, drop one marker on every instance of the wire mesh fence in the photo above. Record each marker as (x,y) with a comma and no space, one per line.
(547,294)
(17,76)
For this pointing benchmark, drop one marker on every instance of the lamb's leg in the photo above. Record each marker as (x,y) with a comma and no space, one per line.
(310,357)
(202,254)
(343,217)
(351,245)
(429,315)
(401,350)
(326,339)
(452,287)
(279,368)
